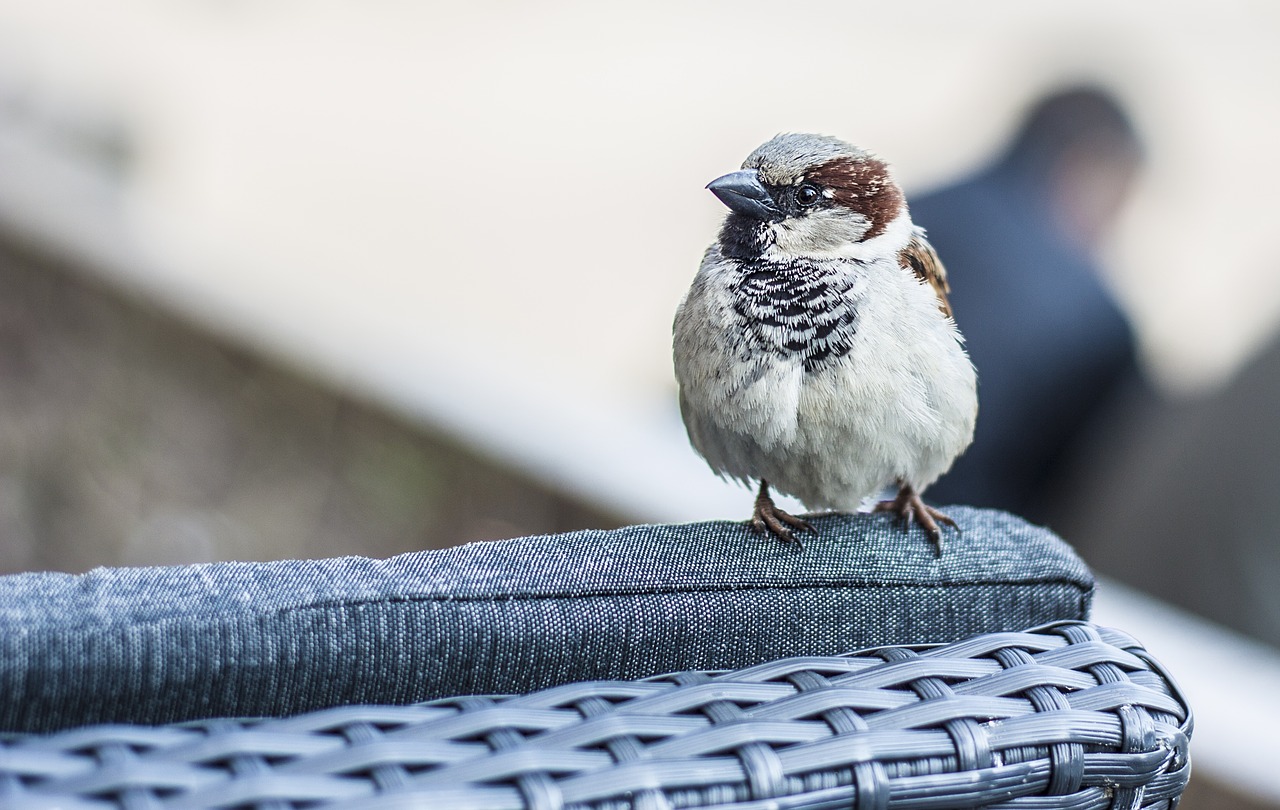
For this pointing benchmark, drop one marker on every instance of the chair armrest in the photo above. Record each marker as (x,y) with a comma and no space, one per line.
(1066,716)
(159,645)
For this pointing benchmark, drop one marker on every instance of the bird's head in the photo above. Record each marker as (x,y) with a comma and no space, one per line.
(812,196)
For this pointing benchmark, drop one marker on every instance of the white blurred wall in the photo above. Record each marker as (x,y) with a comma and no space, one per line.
(520,185)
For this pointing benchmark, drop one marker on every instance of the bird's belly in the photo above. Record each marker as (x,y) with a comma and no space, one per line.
(858,426)
(856,435)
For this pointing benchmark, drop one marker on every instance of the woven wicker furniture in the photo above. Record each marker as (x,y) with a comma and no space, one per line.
(122,687)
(1068,716)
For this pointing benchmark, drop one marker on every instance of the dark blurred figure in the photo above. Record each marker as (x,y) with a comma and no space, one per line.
(1019,240)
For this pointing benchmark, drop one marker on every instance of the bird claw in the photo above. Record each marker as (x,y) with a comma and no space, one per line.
(908,506)
(769,519)
(781,525)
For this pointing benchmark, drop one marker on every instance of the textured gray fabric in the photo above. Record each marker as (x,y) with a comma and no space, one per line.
(156,645)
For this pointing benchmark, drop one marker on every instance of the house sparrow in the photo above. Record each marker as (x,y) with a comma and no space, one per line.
(815,350)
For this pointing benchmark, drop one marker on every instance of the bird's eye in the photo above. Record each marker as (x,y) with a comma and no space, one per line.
(807,194)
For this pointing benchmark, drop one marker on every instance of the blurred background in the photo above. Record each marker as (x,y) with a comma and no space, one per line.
(288,279)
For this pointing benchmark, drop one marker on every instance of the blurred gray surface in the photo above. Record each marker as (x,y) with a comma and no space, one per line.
(130,437)
(1180,500)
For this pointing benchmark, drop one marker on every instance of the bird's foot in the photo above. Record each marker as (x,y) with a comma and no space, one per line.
(909,506)
(767,518)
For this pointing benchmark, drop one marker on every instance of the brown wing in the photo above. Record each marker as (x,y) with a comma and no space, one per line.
(919,257)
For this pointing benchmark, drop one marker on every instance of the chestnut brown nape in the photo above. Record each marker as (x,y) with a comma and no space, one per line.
(863,185)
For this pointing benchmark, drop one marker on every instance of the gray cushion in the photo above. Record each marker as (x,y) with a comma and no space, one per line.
(157,645)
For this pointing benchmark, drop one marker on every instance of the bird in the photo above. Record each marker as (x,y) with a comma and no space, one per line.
(815,350)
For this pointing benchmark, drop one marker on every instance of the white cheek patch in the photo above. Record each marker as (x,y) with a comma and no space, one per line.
(825,235)
(819,232)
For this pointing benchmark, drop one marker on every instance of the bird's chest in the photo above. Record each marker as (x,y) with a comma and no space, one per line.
(803,313)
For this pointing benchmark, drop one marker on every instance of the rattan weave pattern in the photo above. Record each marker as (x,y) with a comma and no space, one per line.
(1066,716)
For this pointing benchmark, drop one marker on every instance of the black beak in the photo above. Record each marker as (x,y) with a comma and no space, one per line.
(743,192)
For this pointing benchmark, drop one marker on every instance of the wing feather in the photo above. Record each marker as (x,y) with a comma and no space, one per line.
(920,258)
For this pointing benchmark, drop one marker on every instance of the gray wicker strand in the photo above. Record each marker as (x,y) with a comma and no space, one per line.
(1065,716)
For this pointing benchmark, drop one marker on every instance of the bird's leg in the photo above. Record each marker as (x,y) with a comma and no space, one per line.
(908,505)
(769,518)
